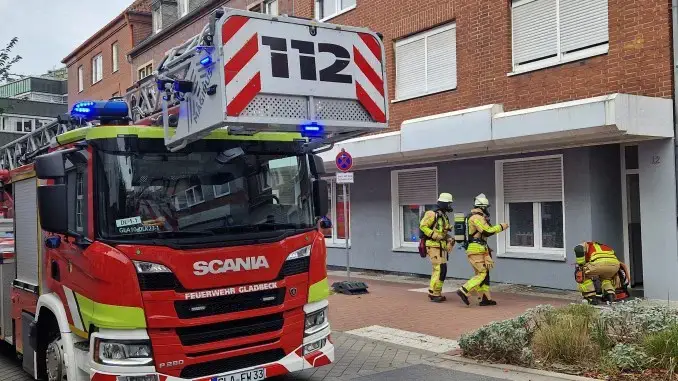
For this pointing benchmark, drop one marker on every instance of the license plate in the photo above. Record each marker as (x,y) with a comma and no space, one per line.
(250,375)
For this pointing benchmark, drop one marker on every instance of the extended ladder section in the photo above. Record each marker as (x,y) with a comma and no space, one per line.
(22,151)
(250,72)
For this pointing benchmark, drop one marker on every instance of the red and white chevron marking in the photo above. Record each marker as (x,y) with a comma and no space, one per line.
(241,74)
(369,81)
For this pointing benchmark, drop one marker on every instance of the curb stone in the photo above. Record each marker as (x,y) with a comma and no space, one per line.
(515,368)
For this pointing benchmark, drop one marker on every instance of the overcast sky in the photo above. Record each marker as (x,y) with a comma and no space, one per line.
(50,29)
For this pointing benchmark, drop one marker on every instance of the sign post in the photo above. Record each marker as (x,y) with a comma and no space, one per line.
(344,163)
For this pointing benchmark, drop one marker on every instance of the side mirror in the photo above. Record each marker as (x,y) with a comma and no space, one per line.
(320,201)
(53,209)
(50,166)
(317,165)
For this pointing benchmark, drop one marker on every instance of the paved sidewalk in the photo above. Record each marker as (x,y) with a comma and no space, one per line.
(392,305)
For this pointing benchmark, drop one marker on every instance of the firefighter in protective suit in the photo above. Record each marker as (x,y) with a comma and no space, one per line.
(435,226)
(478,252)
(596,260)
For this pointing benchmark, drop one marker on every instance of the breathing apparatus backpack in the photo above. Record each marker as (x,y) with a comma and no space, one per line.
(461,229)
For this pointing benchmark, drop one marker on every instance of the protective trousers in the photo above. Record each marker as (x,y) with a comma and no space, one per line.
(439,272)
(480,283)
(605,270)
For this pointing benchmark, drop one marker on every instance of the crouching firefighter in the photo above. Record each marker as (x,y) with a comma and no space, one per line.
(435,227)
(473,231)
(596,260)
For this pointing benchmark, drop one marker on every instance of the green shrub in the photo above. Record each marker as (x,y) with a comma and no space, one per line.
(631,321)
(565,340)
(663,346)
(506,341)
(627,357)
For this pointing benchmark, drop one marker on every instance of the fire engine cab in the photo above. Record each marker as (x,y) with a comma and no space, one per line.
(184,245)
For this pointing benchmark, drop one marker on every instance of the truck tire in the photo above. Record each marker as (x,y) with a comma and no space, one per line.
(55,361)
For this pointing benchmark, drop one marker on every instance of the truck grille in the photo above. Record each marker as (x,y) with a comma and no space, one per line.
(232,363)
(187,309)
(230,330)
(295,266)
(158,281)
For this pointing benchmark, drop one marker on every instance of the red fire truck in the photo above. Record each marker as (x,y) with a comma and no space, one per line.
(184,246)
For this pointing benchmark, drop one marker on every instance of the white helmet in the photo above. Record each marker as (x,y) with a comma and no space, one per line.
(445,197)
(481,201)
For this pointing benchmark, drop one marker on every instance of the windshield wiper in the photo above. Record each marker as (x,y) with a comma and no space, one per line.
(177,234)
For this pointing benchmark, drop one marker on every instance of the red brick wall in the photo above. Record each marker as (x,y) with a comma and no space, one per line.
(638,62)
(111,82)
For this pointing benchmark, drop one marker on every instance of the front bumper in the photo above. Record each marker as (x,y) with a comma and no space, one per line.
(293,362)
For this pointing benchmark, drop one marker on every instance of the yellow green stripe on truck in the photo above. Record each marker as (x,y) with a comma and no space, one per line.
(319,291)
(109,316)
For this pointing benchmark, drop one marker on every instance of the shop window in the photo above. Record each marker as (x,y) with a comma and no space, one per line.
(530,200)
(414,191)
(340,222)
(552,32)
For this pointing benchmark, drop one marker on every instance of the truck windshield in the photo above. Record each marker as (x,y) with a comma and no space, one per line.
(188,195)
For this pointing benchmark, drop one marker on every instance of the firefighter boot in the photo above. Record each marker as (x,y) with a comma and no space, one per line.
(609,298)
(487,302)
(592,300)
(437,299)
(463,294)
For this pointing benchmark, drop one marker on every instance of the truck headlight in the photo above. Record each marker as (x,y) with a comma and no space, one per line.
(150,268)
(301,253)
(315,320)
(123,353)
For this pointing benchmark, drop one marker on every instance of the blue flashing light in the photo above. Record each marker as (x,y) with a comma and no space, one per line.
(311,129)
(111,110)
(206,61)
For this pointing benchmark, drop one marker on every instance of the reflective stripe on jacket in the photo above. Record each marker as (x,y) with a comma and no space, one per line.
(598,252)
(479,228)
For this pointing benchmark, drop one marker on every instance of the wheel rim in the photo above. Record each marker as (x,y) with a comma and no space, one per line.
(55,361)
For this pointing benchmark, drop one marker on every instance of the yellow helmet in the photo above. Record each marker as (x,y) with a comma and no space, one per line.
(481,201)
(445,197)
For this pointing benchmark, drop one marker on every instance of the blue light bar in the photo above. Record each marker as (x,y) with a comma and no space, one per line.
(99,110)
(312,129)
(206,61)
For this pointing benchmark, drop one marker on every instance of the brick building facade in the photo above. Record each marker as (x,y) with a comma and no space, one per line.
(98,68)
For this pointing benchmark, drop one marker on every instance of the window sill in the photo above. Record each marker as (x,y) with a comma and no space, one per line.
(423,95)
(405,249)
(341,12)
(337,245)
(94,83)
(542,255)
(550,62)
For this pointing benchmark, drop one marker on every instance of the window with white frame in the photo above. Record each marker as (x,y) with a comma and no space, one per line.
(326,9)
(530,200)
(551,32)
(222,189)
(114,56)
(340,222)
(194,195)
(81,79)
(183,7)
(271,7)
(145,70)
(426,63)
(97,68)
(18,124)
(157,20)
(180,201)
(413,191)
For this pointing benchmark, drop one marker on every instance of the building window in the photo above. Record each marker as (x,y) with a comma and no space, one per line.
(551,32)
(530,200)
(426,63)
(18,124)
(157,20)
(194,195)
(180,201)
(327,9)
(145,70)
(97,68)
(183,7)
(340,222)
(413,192)
(114,55)
(222,190)
(271,7)
(81,79)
